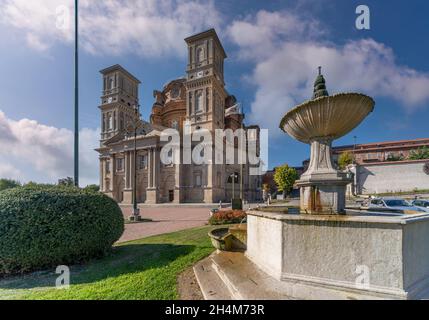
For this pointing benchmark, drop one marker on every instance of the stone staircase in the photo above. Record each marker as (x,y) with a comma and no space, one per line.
(230,275)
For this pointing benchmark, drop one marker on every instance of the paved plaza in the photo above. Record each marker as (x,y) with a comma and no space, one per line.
(165,219)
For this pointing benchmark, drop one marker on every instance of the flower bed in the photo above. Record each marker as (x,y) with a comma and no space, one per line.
(227,217)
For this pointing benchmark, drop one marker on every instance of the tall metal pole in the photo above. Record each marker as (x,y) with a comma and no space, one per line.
(76,97)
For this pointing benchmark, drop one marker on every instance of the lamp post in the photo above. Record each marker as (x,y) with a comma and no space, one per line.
(132,128)
(234,176)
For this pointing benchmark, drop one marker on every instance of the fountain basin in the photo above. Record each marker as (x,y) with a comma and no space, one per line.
(351,256)
(331,116)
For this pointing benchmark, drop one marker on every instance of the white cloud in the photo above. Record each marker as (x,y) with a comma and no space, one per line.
(145,27)
(8,171)
(45,151)
(259,36)
(287,55)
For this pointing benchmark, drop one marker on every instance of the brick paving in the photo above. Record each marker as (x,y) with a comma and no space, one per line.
(165,220)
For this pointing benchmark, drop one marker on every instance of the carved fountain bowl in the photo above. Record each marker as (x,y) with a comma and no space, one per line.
(332,116)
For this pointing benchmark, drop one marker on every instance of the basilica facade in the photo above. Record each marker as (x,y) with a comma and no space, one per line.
(130,154)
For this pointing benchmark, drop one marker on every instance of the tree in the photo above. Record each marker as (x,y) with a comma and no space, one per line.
(92,187)
(419,154)
(8,184)
(68,182)
(345,159)
(285,177)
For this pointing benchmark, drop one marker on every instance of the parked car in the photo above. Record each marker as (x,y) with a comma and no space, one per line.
(393,204)
(422,203)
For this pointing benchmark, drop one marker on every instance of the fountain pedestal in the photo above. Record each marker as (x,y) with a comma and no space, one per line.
(322,188)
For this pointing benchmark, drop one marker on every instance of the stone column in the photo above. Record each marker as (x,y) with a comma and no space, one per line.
(132,168)
(126,170)
(127,175)
(149,168)
(152,191)
(178,183)
(208,188)
(102,174)
(155,159)
(110,190)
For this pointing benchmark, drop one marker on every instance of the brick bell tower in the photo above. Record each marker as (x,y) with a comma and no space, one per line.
(118,100)
(205,107)
(205,85)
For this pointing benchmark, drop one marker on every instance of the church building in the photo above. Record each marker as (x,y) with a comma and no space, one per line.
(201,100)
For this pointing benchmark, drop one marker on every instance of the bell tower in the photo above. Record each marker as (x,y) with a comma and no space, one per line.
(205,87)
(118,100)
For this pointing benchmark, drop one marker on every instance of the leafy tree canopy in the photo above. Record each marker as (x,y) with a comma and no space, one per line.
(345,159)
(8,184)
(419,154)
(68,182)
(285,177)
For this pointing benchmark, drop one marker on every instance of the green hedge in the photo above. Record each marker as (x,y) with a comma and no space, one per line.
(45,226)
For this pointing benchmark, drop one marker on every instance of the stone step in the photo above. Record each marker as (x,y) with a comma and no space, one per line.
(212,287)
(244,280)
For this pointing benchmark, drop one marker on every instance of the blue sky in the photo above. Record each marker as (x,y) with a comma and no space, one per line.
(273,47)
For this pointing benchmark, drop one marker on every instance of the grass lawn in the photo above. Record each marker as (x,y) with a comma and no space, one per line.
(140,269)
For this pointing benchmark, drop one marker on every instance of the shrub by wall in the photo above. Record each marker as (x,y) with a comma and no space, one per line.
(45,226)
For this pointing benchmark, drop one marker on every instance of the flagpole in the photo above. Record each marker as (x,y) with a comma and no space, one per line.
(76,98)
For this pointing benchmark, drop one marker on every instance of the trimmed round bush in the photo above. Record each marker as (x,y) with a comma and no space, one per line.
(46,226)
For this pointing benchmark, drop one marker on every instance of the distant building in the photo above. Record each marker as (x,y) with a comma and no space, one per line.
(385,167)
(200,98)
(381,151)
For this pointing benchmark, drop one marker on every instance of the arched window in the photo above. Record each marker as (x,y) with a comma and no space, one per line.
(175,124)
(199,102)
(190,102)
(121,121)
(200,54)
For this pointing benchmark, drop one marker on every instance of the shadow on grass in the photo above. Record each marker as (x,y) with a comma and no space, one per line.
(124,259)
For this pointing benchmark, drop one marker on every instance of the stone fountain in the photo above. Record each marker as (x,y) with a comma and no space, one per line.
(325,251)
(318,122)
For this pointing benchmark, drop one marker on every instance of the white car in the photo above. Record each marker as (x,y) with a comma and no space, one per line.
(422,203)
(393,204)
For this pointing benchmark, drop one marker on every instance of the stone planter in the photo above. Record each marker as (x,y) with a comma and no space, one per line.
(229,239)
(221,239)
